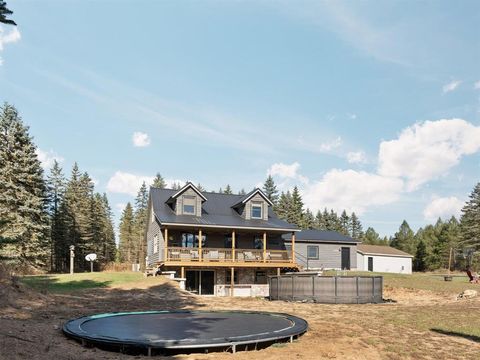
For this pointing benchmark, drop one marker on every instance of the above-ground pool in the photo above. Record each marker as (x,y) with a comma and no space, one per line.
(185,331)
(327,289)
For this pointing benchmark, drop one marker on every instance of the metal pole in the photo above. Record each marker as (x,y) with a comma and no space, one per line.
(91,266)
(72,256)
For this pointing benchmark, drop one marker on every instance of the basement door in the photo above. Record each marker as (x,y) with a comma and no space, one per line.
(200,282)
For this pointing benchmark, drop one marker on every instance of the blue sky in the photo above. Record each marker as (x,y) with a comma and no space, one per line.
(369,106)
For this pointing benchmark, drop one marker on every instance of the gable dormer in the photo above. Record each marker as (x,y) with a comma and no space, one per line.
(254,205)
(187,201)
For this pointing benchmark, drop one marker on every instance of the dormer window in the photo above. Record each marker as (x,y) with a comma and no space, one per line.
(189,204)
(256,210)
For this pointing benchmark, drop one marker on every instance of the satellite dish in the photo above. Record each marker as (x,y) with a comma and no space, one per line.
(91,257)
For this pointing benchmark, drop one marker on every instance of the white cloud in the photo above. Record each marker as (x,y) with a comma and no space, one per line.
(284,170)
(47,158)
(352,116)
(8,38)
(140,139)
(451,86)
(356,157)
(119,207)
(351,190)
(427,150)
(443,208)
(477,85)
(126,183)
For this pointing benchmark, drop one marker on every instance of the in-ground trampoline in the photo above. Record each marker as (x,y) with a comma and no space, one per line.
(185,331)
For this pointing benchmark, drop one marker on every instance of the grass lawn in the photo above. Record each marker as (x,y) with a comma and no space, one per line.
(420,281)
(61,283)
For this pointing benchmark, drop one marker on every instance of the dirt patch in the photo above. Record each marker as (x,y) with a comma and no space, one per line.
(401,329)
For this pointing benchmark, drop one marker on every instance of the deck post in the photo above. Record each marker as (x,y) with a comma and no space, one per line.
(264,246)
(232,280)
(182,272)
(233,245)
(200,245)
(166,243)
(278,271)
(293,246)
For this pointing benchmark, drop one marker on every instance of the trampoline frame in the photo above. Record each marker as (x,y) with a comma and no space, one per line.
(73,329)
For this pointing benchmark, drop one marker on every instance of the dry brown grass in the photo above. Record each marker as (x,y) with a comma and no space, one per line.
(417,324)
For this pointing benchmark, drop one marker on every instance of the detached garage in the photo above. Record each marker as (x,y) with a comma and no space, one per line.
(383,259)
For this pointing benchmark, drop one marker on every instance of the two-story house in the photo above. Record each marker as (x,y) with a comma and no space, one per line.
(221,244)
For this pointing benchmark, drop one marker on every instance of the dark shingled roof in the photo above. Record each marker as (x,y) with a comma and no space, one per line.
(381,250)
(216,211)
(320,236)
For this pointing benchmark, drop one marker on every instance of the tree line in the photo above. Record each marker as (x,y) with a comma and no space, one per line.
(41,216)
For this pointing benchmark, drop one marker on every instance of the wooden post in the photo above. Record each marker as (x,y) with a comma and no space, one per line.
(200,245)
(233,245)
(293,247)
(72,256)
(182,272)
(232,280)
(278,271)
(264,246)
(166,244)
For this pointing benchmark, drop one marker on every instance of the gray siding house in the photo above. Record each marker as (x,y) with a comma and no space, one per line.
(220,244)
(319,249)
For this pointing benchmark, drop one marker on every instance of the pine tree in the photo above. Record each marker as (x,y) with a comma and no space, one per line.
(4,12)
(176,186)
(242,192)
(371,237)
(270,189)
(308,220)
(331,220)
(140,220)
(56,183)
(200,188)
(470,220)
(404,239)
(283,207)
(22,192)
(320,223)
(356,231)
(420,257)
(126,235)
(159,182)
(345,223)
(228,190)
(295,214)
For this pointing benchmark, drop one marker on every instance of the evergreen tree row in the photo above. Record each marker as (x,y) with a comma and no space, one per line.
(41,218)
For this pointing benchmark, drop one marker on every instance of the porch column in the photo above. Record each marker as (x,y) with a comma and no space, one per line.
(293,246)
(278,271)
(233,245)
(232,280)
(200,245)
(182,272)
(264,246)
(165,236)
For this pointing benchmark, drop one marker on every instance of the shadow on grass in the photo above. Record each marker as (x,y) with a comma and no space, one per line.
(457,334)
(51,284)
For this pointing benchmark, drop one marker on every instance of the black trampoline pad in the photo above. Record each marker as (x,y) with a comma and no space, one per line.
(185,329)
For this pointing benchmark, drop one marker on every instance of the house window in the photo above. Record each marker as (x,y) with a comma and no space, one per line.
(260,277)
(312,252)
(155,244)
(228,277)
(190,240)
(189,204)
(258,243)
(256,210)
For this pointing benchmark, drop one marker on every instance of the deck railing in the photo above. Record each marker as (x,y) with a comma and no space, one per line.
(209,255)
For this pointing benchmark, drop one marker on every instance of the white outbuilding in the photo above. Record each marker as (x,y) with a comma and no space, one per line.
(383,259)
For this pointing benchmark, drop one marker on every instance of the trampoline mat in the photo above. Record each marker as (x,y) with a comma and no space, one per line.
(184,329)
